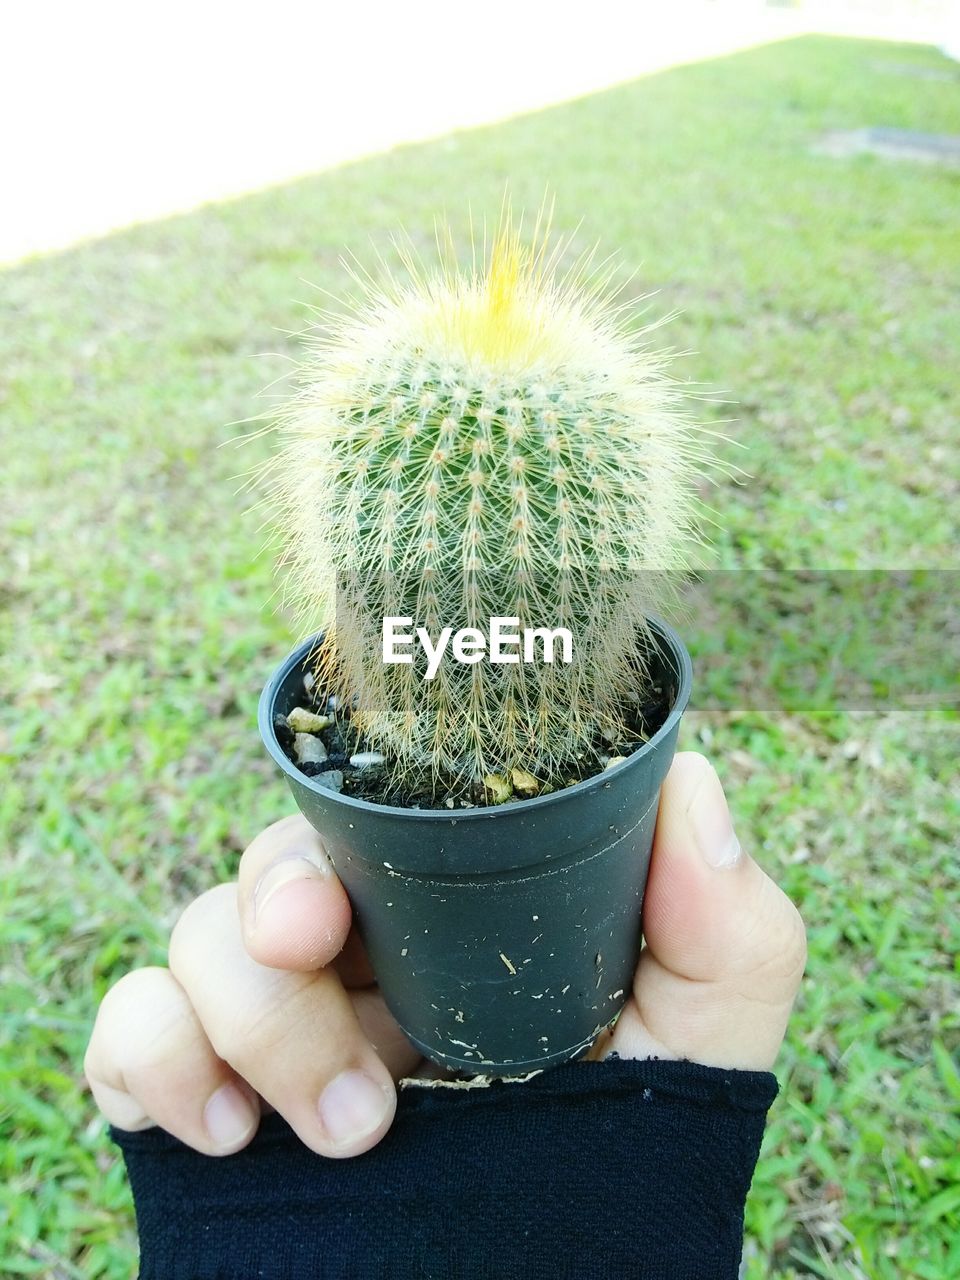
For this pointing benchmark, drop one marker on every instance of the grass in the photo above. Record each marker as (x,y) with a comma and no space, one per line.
(137,626)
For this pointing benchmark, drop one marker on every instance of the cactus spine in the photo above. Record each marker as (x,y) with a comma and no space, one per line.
(472,444)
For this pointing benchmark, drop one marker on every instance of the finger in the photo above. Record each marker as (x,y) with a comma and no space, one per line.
(383,1031)
(294,911)
(294,1036)
(149,1063)
(724,947)
(352,965)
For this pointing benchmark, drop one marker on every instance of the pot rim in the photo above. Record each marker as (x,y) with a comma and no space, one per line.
(677,650)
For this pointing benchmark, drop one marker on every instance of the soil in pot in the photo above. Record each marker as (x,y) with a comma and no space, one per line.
(319,738)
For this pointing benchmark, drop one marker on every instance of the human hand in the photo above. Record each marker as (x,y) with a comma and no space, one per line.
(724,947)
(269,1002)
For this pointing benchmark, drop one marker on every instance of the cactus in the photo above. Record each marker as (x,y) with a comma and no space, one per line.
(471,444)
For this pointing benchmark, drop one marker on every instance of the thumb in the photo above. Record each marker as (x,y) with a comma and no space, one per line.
(294,912)
(724,947)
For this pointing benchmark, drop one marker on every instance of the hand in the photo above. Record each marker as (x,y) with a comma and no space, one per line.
(270,1002)
(724,947)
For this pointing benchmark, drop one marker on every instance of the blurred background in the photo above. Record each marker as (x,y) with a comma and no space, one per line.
(179,185)
(118,113)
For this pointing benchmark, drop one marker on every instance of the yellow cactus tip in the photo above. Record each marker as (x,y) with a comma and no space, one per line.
(497,314)
(509,263)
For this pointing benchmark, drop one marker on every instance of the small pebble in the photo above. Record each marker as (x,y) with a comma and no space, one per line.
(301,720)
(524,784)
(365,759)
(311,768)
(497,788)
(308,749)
(332,779)
(614,760)
(309,682)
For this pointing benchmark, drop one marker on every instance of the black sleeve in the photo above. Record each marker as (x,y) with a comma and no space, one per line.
(591,1169)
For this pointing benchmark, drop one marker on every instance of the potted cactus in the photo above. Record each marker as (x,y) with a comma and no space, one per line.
(485,478)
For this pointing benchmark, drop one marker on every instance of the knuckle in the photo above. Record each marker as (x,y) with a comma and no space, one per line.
(282,1015)
(784,955)
(692,759)
(773,942)
(195,920)
(795,940)
(144,1021)
(91,1066)
(133,986)
(123,1004)
(173,1036)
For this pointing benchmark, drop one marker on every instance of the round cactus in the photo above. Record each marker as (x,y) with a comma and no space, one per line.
(473,444)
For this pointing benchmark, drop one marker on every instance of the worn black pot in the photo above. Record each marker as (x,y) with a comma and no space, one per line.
(504,939)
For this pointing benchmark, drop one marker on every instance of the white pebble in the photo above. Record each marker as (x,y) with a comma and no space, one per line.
(364,759)
(332,780)
(308,749)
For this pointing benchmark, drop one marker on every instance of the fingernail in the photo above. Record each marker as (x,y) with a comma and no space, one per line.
(352,1106)
(710,824)
(228,1116)
(296,866)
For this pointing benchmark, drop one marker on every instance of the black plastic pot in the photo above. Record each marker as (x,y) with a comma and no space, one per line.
(504,939)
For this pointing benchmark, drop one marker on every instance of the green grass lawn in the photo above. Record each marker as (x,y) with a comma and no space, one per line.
(137,625)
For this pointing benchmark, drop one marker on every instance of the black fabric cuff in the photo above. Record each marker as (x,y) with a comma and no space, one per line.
(591,1169)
